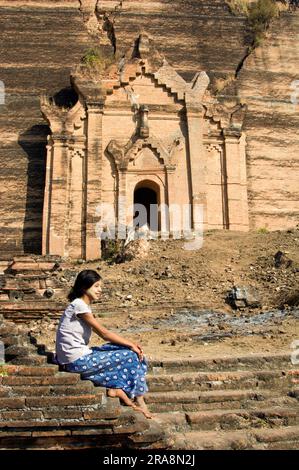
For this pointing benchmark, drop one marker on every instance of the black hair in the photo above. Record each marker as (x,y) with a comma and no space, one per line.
(84,281)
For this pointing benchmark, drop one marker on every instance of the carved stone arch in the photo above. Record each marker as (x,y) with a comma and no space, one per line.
(148,183)
(146,157)
(147,195)
(152,143)
(123,154)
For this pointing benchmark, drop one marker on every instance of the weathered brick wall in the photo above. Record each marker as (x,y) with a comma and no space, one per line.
(193,34)
(266,83)
(39,45)
(43,39)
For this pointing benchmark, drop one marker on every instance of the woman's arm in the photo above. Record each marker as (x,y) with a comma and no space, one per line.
(109,335)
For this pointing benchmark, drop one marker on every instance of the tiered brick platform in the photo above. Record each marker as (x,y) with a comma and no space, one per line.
(248,402)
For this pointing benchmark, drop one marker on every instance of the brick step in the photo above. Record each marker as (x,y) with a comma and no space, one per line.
(51,390)
(61,379)
(229,419)
(130,428)
(237,440)
(150,438)
(242,402)
(239,419)
(219,380)
(66,401)
(14,340)
(58,423)
(29,360)
(249,362)
(74,419)
(28,371)
(21,350)
(51,401)
(110,410)
(209,396)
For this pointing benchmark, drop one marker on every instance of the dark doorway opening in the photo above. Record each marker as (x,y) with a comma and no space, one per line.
(146,208)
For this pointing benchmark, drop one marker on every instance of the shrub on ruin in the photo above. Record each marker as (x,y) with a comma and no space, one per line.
(260,14)
(96,62)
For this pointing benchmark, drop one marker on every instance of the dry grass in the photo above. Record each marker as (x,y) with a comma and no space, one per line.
(95,63)
(239,6)
(260,14)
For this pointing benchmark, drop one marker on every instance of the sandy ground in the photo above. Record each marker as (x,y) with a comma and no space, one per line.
(142,297)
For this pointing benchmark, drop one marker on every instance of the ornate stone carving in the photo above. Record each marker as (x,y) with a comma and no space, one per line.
(117,149)
(123,154)
(62,120)
(167,76)
(144,128)
(187,133)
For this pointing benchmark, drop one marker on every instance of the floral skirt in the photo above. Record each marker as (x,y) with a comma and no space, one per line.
(113,366)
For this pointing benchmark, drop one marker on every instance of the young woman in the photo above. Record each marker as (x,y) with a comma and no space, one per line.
(118,365)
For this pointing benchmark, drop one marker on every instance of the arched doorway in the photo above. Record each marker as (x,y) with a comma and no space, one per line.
(146,203)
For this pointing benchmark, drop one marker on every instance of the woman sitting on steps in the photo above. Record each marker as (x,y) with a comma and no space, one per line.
(118,365)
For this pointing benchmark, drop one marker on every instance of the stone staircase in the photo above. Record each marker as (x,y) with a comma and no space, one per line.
(42,407)
(248,402)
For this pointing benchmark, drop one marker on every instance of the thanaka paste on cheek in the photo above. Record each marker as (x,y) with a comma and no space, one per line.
(92,293)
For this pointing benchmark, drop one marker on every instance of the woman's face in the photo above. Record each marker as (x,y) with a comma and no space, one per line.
(94,292)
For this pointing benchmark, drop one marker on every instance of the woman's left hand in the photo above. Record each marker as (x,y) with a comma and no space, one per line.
(141,352)
(138,350)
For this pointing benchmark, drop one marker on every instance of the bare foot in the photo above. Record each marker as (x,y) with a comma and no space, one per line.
(119,393)
(141,403)
(146,413)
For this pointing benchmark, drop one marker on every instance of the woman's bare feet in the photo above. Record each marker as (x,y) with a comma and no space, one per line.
(138,406)
(141,403)
(119,393)
(147,414)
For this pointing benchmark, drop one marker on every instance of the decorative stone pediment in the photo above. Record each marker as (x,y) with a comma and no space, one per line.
(166,75)
(142,59)
(125,153)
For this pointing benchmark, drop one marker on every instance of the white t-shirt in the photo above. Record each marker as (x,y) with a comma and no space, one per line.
(73,333)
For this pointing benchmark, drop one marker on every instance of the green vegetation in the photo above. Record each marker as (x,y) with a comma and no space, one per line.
(96,61)
(260,16)
(262,230)
(259,13)
(3,371)
(112,250)
(238,6)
